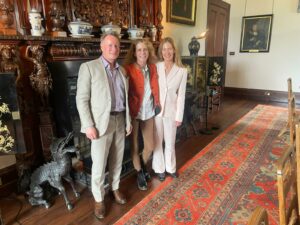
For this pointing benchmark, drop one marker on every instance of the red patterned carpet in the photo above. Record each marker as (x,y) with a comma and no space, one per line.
(224,182)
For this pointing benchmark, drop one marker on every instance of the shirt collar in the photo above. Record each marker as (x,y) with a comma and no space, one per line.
(106,63)
(146,68)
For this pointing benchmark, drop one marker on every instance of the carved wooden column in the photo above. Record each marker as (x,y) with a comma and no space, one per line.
(159,17)
(41,82)
(148,16)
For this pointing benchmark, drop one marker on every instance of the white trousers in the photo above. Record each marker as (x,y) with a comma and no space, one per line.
(164,159)
(109,146)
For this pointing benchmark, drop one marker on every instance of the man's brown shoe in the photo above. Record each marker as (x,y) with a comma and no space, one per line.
(99,210)
(119,197)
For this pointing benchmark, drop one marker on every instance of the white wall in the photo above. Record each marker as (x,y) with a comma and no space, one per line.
(265,70)
(252,70)
(181,33)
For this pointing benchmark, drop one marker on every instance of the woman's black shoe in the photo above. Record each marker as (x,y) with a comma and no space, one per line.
(144,169)
(141,181)
(146,174)
(161,176)
(174,175)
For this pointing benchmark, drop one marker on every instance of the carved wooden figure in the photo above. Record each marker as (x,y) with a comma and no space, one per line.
(7,18)
(40,78)
(8,60)
(57,14)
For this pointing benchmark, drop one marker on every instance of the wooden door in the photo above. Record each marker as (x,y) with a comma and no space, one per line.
(218,24)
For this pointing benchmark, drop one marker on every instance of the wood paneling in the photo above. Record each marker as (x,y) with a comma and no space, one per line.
(260,95)
(8,178)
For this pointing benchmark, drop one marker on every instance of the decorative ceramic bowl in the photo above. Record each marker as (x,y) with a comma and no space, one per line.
(135,33)
(111,28)
(79,27)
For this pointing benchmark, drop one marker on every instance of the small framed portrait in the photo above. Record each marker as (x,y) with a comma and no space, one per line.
(182,11)
(256,33)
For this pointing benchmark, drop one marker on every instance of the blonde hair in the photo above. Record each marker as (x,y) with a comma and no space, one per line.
(130,57)
(176,58)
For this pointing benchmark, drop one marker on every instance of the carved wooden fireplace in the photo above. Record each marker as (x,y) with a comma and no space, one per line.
(50,110)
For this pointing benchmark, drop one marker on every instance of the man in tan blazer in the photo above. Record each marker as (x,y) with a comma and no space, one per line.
(102,103)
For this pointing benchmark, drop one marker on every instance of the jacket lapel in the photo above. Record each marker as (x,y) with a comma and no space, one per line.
(162,74)
(102,73)
(172,73)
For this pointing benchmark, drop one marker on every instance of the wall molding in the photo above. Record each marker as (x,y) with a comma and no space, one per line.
(259,94)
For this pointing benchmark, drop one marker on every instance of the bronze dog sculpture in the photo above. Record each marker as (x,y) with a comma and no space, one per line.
(53,172)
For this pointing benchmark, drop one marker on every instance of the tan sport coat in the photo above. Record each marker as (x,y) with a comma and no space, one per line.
(93,97)
(172,91)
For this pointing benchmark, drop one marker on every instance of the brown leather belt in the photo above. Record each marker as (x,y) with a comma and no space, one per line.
(116,113)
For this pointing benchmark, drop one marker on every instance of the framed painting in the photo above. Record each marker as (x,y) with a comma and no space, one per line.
(256,33)
(182,11)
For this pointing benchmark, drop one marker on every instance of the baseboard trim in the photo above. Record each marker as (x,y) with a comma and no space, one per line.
(260,95)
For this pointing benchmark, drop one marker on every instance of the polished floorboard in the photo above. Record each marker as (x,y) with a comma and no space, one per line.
(231,110)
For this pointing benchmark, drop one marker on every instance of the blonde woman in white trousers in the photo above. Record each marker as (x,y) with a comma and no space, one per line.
(172,78)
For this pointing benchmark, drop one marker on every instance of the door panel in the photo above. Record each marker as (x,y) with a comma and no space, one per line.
(218,24)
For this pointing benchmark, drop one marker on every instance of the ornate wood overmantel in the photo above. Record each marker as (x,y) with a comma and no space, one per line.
(57,14)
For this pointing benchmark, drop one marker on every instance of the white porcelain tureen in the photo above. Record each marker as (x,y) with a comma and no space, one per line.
(135,33)
(111,28)
(79,27)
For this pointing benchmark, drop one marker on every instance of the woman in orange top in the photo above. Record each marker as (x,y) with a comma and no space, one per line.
(143,99)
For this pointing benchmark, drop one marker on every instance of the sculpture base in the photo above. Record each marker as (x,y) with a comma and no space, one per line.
(59,34)
(47,128)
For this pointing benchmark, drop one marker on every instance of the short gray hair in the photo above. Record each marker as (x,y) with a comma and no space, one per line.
(103,36)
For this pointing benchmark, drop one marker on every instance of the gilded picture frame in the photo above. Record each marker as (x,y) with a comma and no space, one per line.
(182,11)
(256,33)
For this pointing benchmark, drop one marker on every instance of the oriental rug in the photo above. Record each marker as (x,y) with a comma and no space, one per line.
(225,181)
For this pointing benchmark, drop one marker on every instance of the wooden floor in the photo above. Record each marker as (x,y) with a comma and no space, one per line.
(231,110)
